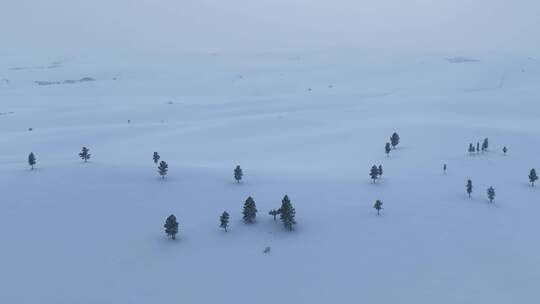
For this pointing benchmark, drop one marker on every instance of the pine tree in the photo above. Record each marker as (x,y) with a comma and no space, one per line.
(532,176)
(378,205)
(471,148)
(31,160)
(171,226)
(477,147)
(163,168)
(250,210)
(380,170)
(85,155)
(469,187)
(394,139)
(444,168)
(387,149)
(156,158)
(224,220)
(238,174)
(287,213)
(485,145)
(491,194)
(505,150)
(374,173)
(274,213)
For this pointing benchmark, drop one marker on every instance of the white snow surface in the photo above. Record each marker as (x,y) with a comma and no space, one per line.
(309,125)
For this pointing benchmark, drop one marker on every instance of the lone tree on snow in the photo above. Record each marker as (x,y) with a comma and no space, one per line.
(163,168)
(469,187)
(250,210)
(378,206)
(444,168)
(374,173)
(505,150)
(85,154)
(380,170)
(171,226)
(532,177)
(155,158)
(287,213)
(224,220)
(394,140)
(274,213)
(387,149)
(491,194)
(31,160)
(238,174)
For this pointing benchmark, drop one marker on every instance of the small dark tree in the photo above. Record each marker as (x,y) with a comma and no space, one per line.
(444,168)
(287,213)
(155,158)
(491,194)
(477,147)
(250,210)
(171,226)
(374,173)
(532,177)
(469,187)
(163,168)
(85,154)
(380,170)
(387,149)
(238,174)
(394,139)
(274,213)
(31,160)
(485,145)
(224,220)
(378,206)
(505,150)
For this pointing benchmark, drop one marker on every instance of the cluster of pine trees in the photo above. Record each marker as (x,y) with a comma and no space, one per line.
(484,147)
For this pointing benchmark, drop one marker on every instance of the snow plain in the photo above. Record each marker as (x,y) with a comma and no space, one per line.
(309,125)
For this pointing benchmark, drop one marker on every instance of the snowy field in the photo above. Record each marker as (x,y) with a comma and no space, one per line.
(309,125)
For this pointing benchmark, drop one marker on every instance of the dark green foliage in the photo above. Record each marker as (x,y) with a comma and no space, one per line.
(394,140)
(469,187)
(485,145)
(163,168)
(224,220)
(380,170)
(378,205)
(491,194)
(287,213)
(171,226)
(477,147)
(387,149)
(274,213)
(238,174)
(532,176)
(505,150)
(250,210)
(374,173)
(471,148)
(156,158)
(31,160)
(85,154)
(444,168)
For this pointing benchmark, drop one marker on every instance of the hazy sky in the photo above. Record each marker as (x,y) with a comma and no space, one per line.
(271,25)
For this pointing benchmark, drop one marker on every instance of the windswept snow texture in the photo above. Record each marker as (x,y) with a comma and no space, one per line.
(307,125)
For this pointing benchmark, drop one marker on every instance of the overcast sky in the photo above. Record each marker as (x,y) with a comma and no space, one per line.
(271,25)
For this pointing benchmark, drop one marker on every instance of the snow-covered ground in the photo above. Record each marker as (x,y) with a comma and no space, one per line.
(309,125)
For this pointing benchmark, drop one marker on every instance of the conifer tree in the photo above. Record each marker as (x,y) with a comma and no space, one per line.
(477,147)
(394,140)
(374,173)
(274,213)
(156,158)
(505,150)
(380,170)
(31,160)
(469,187)
(378,205)
(162,169)
(238,174)
(171,226)
(287,213)
(387,149)
(485,145)
(532,177)
(85,154)
(471,148)
(250,210)
(224,220)
(491,194)
(444,168)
